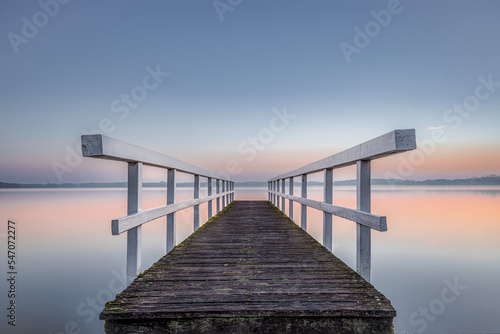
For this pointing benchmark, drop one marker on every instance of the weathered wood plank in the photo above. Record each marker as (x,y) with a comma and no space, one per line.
(134,235)
(125,223)
(394,142)
(103,147)
(249,264)
(363,233)
(370,220)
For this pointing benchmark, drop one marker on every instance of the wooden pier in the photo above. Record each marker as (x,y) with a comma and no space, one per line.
(249,270)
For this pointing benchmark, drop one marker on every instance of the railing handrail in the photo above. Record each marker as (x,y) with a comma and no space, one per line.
(370,220)
(393,142)
(128,222)
(104,147)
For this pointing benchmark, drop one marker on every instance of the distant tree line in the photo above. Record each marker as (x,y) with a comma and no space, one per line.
(474,181)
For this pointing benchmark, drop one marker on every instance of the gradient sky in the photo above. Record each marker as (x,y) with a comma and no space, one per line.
(228,77)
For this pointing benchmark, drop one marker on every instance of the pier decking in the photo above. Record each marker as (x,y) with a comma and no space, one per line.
(250,269)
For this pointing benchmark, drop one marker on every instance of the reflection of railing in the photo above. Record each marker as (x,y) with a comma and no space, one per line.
(394,142)
(99,146)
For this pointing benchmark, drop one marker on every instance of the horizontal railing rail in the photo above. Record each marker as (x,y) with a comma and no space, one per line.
(394,142)
(103,147)
(370,220)
(125,223)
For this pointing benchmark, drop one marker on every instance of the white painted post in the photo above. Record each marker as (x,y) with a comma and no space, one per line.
(363,233)
(272,189)
(283,198)
(223,197)
(268,189)
(228,195)
(217,189)
(274,195)
(209,193)
(327,217)
(232,188)
(196,208)
(290,202)
(171,184)
(277,197)
(134,235)
(303,213)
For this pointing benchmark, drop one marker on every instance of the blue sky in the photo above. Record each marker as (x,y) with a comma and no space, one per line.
(226,79)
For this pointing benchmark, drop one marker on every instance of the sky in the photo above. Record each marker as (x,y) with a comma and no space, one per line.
(250,88)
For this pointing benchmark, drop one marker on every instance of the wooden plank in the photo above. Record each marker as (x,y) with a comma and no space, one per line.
(283,198)
(278,201)
(303,207)
(268,193)
(394,142)
(371,220)
(171,185)
(250,262)
(327,217)
(103,147)
(196,208)
(363,233)
(232,191)
(218,192)
(125,223)
(290,202)
(134,235)
(209,193)
(224,196)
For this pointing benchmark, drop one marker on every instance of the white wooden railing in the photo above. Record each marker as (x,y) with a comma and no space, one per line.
(99,146)
(394,142)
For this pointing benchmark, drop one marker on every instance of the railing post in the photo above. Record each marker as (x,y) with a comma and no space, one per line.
(274,195)
(290,202)
(327,217)
(171,184)
(217,189)
(228,195)
(209,193)
(232,188)
(196,208)
(283,198)
(363,233)
(268,191)
(223,196)
(277,196)
(303,213)
(134,235)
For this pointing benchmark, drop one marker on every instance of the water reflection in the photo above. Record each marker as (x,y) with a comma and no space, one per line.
(70,264)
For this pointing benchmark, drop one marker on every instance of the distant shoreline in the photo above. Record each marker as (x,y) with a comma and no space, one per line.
(491,180)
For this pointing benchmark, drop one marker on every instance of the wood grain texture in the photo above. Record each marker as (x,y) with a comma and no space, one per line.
(103,147)
(368,219)
(393,142)
(248,262)
(125,223)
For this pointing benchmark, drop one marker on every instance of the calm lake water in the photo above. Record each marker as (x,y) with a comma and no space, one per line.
(439,261)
